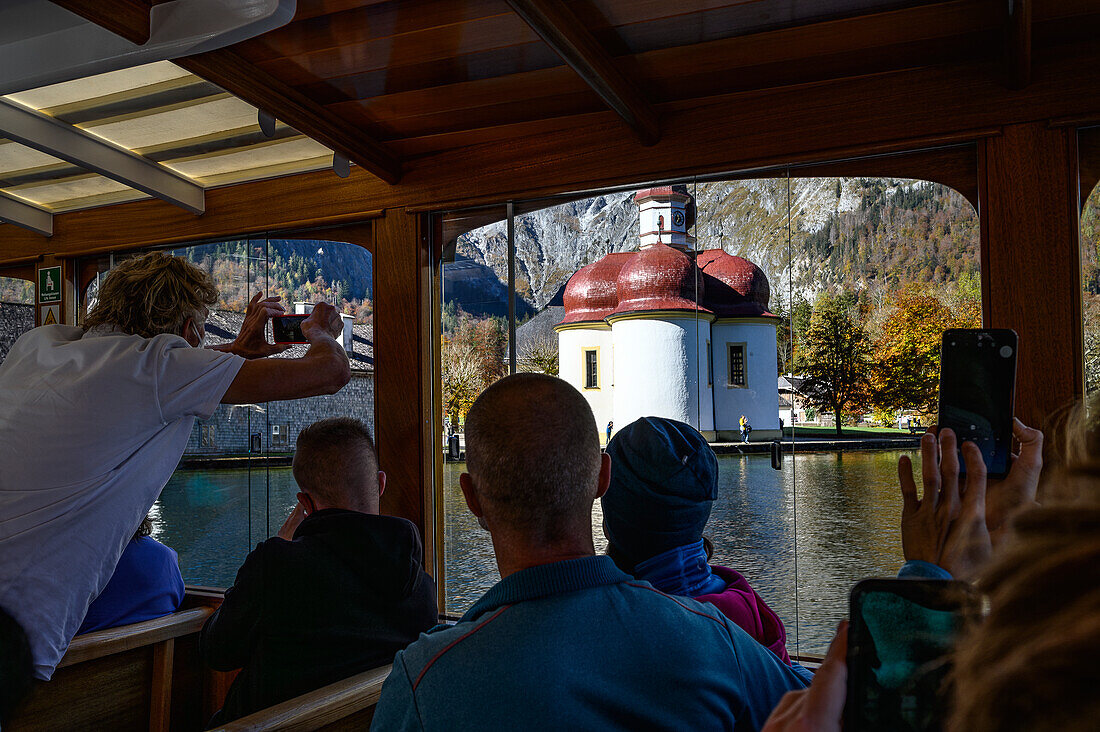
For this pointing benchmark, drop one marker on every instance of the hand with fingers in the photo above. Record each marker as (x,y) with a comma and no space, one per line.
(946,526)
(292,522)
(251,342)
(820,707)
(324,320)
(1016,492)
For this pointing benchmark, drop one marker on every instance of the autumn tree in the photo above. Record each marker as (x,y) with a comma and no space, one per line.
(473,358)
(907,352)
(834,354)
(539,355)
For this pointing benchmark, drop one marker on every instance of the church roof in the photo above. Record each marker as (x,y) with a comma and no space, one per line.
(662,278)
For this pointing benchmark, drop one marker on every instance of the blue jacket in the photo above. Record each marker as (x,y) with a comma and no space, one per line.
(146,584)
(580,645)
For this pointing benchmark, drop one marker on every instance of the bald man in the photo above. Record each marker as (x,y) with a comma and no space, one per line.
(566,640)
(338,591)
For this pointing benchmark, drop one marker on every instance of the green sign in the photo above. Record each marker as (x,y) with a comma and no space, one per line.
(49,284)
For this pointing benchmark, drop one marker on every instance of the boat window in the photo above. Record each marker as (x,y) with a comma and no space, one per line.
(16,311)
(234,487)
(780,272)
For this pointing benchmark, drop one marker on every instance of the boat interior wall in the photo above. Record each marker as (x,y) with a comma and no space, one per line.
(146,675)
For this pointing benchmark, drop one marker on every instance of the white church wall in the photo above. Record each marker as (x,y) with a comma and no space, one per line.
(656,369)
(704,384)
(758,400)
(572,343)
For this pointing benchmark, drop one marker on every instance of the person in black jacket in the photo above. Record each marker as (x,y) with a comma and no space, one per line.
(339,591)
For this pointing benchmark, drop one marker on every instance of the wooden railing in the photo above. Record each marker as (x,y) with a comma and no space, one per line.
(347,704)
(123,678)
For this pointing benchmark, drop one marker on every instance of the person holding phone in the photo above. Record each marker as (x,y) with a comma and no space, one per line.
(952,529)
(122,394)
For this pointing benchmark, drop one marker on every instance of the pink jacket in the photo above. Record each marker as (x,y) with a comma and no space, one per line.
(742,605)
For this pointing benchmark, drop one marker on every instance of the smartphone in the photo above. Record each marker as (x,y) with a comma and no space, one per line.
(288,328)
(978,392)
(900,639)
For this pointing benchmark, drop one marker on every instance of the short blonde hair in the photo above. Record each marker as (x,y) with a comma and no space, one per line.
(153,294)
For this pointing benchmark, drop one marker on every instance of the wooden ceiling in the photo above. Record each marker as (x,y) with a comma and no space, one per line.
(384,83)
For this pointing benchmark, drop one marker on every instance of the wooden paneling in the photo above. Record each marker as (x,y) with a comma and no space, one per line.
(1031,263)
(838,119)
(127,18)
(401,411)
(559,27)
(272,95)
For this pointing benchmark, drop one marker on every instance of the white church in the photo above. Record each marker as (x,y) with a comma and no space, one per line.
(671,332)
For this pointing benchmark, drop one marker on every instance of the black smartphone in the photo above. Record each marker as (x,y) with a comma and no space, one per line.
(900,639)
(978,392)
(288,328)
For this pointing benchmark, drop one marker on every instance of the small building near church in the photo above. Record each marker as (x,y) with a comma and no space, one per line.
(672,332)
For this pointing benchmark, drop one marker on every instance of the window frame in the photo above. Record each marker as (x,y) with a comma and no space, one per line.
(585,352)
(743,346)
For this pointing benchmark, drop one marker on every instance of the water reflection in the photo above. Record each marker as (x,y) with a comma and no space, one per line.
(848,514)
(847,519)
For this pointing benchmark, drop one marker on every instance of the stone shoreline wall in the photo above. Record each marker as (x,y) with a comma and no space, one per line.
(278,423)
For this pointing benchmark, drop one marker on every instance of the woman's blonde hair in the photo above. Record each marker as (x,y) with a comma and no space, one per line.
(153,294)
(1026,666)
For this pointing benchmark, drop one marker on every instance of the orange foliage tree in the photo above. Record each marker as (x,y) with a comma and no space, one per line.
(906,368)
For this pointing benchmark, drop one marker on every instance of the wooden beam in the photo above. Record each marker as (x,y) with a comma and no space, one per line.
(127,18)
(563,32)
(260,89)
(402,415)
(1019,43)
(1031,261)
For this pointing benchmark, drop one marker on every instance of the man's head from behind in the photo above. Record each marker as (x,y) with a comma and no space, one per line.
(534,462)
(336,466)
(153,294)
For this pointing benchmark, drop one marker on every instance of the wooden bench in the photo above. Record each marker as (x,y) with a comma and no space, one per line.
(147,675)
(915,428)
(344,705)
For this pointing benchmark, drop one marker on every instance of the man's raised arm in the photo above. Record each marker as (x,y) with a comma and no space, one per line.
(324,369)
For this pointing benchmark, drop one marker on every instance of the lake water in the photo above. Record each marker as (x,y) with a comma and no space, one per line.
(802,536)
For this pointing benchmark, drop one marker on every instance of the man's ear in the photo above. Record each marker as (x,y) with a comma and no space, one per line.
(605,475)
(381,482)
(191,333)
(307,502)
(466,483)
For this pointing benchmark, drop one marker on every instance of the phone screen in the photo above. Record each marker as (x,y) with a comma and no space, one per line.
(288,328)
(899,643)
(977,391)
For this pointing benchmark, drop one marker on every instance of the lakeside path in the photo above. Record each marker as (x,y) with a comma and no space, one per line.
(806,443)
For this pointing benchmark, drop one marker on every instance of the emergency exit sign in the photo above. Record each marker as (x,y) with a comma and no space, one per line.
(49,284)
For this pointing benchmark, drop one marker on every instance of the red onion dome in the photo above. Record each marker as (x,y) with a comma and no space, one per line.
(734,285)
(591,293)
(660,278)
(679,192)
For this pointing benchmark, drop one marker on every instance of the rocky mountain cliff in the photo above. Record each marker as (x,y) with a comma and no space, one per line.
(843,232)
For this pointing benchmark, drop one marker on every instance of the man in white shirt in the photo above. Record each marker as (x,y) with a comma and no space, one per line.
(93,422)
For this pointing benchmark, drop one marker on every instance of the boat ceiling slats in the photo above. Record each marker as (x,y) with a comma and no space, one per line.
(161,114)
(390,82)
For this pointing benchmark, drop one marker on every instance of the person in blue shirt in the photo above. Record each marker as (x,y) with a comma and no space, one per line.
(567,640)
(146,584)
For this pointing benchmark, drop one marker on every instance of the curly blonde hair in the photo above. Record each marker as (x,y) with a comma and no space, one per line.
(153,294)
